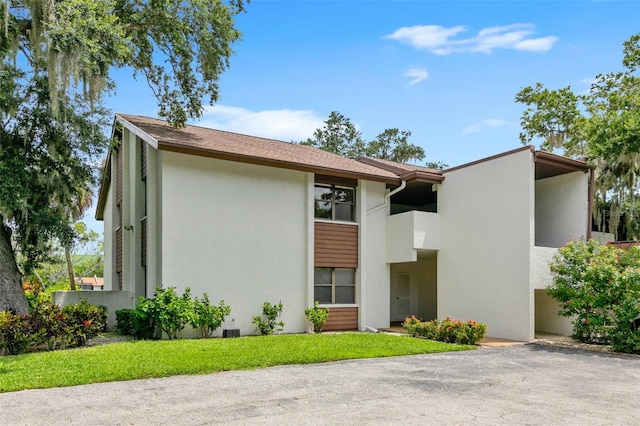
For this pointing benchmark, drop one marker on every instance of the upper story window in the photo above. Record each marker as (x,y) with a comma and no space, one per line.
(335,202)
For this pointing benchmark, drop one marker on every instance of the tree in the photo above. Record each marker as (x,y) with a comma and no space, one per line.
(437,165)
(340,136)
(604,126)
(54,73)
(75,212)
(599,287)
(393,144)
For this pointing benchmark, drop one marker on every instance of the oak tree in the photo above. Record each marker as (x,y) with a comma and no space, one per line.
(602,125)
(54,74)
(340,136)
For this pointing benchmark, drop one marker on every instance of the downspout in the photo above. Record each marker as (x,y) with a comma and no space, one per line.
(387,197)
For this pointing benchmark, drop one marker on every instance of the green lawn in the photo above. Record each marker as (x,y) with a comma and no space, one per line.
(147,359)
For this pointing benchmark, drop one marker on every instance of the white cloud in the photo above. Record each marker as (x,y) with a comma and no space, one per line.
(427,37)
(483,125)
(283,124)
(417,75)
(441,41)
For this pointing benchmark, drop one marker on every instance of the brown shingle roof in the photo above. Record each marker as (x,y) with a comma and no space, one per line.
(408,172)
(207,142)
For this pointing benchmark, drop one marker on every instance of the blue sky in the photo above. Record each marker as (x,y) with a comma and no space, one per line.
(447,71)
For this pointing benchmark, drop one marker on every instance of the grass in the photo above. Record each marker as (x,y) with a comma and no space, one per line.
(148,359)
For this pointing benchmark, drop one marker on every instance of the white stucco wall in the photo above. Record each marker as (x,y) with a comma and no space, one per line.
(561,208)
(239,232)
(547,318)
(486,233)
(109,241)
(411,231)
(113,300)
(541,275)
(374,286)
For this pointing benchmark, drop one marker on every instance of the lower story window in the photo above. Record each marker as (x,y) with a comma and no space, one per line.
(334,285)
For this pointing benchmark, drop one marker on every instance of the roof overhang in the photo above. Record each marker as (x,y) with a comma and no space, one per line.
(549,165)
(104,188)
(137,131)
(546,163)
(422,176)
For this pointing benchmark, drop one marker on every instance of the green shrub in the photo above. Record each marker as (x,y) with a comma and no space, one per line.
(171,313)
(124,321)
(447,330)
(600,287)
(49,325)
(206,317)
(410,324)
(470,332)
(271,313)
(15,333)
(317,316)
(135,322)
(625,338)
(143,323)
(84,321)
(167,310)
(427,329)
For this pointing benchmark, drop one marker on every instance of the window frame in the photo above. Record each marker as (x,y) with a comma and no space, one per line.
(333,284)
(334,202)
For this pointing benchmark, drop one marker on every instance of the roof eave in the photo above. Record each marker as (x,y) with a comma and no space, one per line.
(560,161)
(493,157)
(104,188)
(137,131)
(106,178)
(423,177)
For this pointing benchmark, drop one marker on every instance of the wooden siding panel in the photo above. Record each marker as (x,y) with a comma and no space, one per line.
(143,244)
(119,173)
(119,250)
(335,245)
(342,319)
(143,160)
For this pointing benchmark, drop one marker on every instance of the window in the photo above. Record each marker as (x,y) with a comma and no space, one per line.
(334,285)
(334,202)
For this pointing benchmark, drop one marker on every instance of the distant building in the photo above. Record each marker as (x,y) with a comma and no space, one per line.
(91,283)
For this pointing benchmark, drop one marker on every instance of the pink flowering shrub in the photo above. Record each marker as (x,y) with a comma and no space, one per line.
(447,330)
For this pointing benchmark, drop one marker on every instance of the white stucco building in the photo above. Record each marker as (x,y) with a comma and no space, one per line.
(250,220)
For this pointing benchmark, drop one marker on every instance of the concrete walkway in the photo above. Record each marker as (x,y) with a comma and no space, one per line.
(523,384)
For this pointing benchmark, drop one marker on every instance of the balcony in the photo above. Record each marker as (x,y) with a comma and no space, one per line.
(409,232)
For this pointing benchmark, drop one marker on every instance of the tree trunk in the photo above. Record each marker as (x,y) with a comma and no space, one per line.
(12,296)
(72,278)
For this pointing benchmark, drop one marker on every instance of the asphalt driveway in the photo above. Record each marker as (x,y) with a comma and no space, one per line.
(528,384)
